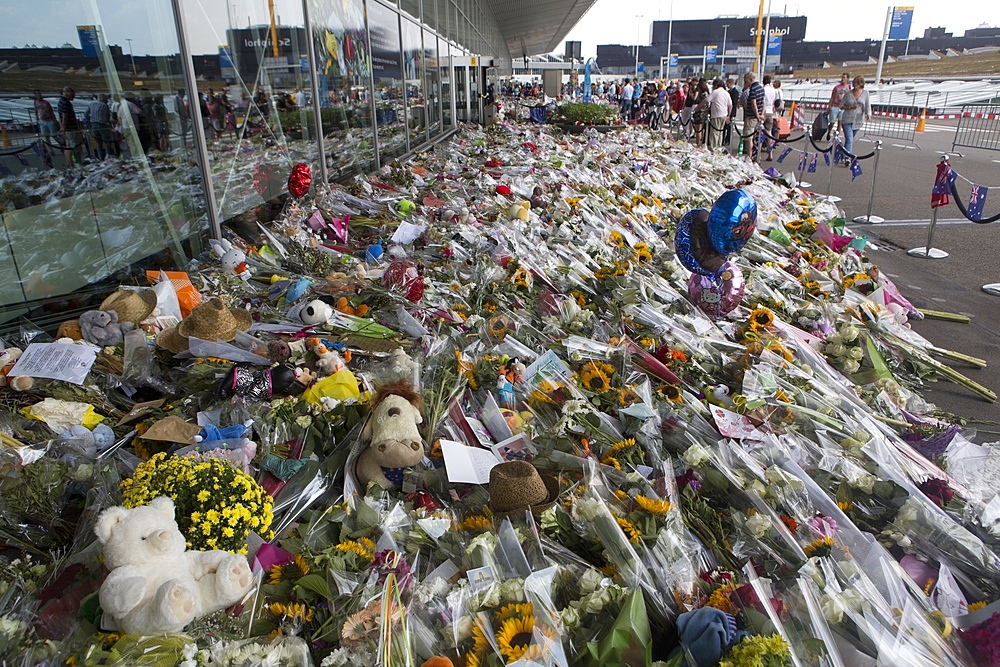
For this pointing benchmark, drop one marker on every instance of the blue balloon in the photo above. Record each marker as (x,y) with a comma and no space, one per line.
(692,245)
(732,221)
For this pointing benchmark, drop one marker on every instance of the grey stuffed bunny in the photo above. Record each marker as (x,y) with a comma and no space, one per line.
(101,327)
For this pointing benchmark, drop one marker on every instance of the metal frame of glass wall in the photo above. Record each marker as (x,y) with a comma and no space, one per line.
(204,136)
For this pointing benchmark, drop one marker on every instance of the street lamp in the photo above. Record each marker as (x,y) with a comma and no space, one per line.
(638,33)
(129,40)
(725,33)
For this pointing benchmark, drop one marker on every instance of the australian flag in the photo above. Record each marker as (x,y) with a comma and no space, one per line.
(785,153)
(813,159)
(855,169)
(976,202)
(838,154)
(942,185)
(826,158)
(802,161)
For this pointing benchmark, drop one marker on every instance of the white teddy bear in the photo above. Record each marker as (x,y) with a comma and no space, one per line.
(155,585)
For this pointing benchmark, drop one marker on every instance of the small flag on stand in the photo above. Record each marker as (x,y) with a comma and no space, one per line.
(20,158)
(942,185)
(855,169)
(785,153)
(826,157)
(802,161)
(813,159)
(838,154)
(976,202)
(4,171)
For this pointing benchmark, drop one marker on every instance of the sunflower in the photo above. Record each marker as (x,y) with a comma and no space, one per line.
(641,254)
(291,571)
(761,318)
(499,326)
(581,300)
(976,606)
(671,392)
(466,369)
(720,599)
(546,392)
(474,522)
(516,609)
(617,239)
(819,547)
(627,396)
(649,343)
(489,307)
(653,505)
(514,636)
(595,379)
(631,532)
(794,225)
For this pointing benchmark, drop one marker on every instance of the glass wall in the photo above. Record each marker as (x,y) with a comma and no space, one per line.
(100,180)
(344,78)
(413,75)
(108,180)
(256,116)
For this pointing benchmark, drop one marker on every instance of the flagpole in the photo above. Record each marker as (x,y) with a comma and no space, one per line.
(760,26)
(881,53)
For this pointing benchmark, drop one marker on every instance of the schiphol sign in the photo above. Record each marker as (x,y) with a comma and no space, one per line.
(266,43)
(775,32)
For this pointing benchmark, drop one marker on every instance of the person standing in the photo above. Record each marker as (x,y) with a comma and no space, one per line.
(836,97)
(98,117)
(720,106)
(769,131)
(636,98)
(779,101)
(753,115)
(161,123)
(48,127)
(699,115)
(690,100)
(734,96)
(627,100)
(71,137)
(183,115)
(300,99)
(857,109)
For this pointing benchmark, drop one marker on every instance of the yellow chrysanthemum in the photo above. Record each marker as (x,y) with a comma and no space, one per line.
(720,599)
(761,318)
(653,505)
(475,522)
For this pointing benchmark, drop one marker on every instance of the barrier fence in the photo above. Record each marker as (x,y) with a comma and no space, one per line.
(978,127)
(946,188)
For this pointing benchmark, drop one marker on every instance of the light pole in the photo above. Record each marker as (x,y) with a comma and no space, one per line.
(725,33)
(638,33)
(132,57)
(670,36)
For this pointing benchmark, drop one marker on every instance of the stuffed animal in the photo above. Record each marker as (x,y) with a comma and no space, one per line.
(258,384)
(278,351)
(101,327)
(94,441)
(311,312)
(718,394)
(154,584)
(329,359)
(231,257)
(394,443)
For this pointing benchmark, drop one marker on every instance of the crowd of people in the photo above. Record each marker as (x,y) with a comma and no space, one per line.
(98,127)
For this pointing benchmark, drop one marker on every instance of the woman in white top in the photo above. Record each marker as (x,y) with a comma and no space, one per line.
(857,109)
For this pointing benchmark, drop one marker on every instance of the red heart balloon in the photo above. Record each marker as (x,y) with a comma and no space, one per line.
(299,180)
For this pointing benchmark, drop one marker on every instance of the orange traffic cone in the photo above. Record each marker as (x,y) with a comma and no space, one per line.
(923,120)
(6,138)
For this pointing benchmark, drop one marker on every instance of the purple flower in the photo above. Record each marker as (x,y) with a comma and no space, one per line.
(984,641)
(822,526)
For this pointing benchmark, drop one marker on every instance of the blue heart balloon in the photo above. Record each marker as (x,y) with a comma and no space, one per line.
(692,245)
(732,221)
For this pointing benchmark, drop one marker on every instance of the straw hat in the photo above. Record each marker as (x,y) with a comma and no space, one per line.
(516,486)
(213,320)
(131,305)
(169,339)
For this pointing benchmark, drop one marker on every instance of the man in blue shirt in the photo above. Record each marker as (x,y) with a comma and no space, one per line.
(753,114)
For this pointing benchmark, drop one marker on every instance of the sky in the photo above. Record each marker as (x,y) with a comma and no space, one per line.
(833,20)
(150,23)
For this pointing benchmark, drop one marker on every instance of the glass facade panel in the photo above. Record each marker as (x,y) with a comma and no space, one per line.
(255,112)
(433,86)
(99,182)
(411,7)
(343,72)
(387,70)
(413,73)
(447,81)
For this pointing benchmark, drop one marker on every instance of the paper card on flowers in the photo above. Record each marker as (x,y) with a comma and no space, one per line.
(515,448)
(733,425)
(467,465)
(481,578)
(56,361)
(549,364)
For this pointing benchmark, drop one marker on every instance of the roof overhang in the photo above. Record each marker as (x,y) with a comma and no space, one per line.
(531,27)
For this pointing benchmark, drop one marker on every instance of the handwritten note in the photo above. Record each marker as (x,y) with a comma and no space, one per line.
(467,465)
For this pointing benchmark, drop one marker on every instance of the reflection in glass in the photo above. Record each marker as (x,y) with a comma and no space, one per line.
(106,184)
(461,74)
(257,114)
(413,70)
(433,88)
(387,70)
(344,78)
(475,101)
(444,60)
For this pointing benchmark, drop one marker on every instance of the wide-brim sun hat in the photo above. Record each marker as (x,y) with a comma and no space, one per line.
(517,486)
(132,306)
(214,320)
(170,340)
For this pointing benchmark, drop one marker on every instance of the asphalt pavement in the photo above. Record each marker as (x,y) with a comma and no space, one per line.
(953,284)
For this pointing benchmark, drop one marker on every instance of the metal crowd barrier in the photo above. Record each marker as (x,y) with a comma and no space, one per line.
(978,127)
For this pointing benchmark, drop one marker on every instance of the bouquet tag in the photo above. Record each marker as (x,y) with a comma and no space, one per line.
(733,425)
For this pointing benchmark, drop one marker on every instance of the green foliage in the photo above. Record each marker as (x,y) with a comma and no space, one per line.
(577,112)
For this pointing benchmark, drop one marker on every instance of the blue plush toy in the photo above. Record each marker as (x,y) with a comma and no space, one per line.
(374,252)
(707,633)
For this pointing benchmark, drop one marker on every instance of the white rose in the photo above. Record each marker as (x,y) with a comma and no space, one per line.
(695,456)
(758,525)
(570,618)
(855,353)
(757,487)
(833,610)
(859,478)
(851,366)
(836,350)
(850,333)
(591,581)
